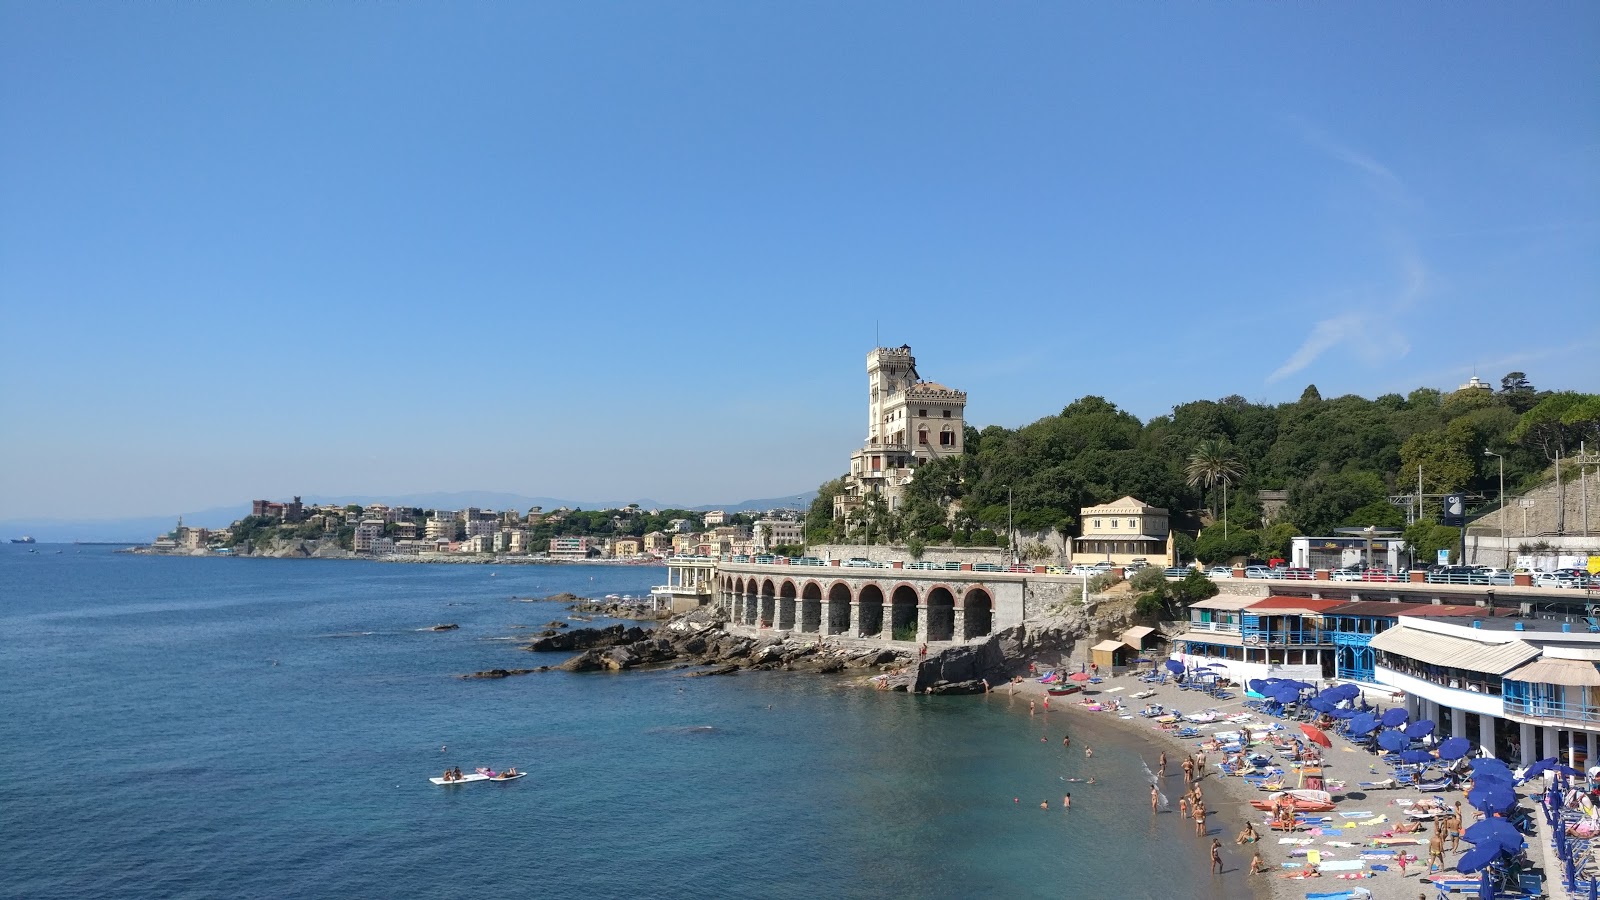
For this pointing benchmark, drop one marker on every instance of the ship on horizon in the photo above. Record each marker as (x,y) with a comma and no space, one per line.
(25,539)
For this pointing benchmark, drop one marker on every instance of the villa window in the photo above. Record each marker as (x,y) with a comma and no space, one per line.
(1113,523)
(947,414)
(1097,523)
(1132,523)
(922,413)
(922,435)
(947,439)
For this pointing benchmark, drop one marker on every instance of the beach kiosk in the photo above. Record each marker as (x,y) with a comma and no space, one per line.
(1111,653)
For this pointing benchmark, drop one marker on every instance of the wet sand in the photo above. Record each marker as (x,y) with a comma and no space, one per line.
(1227,798)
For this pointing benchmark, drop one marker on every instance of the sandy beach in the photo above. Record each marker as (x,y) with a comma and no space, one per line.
(1341,841)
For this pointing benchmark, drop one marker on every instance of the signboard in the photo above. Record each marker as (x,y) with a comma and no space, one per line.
(1455,510)
(1444,557)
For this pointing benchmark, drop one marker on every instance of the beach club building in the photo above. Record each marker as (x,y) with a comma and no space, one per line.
(1520,688)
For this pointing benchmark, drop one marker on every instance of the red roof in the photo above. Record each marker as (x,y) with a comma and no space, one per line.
(1409,608)
(1294,604)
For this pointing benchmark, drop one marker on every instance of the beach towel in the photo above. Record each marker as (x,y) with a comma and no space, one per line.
(1343,865)
(1314,857)
(1310,853)
(1341,843)
(1352,894)
(1296,841)
(1374,853)
(1363,814)
(1396,842)
(1376,820)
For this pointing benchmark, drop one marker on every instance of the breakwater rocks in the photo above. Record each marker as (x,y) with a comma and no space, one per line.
(697,639)
(620,610)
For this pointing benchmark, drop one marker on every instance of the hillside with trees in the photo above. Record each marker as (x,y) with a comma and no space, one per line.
(1341,460)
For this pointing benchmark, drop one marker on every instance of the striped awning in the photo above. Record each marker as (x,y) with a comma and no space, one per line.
(1574,672)
(1455,652)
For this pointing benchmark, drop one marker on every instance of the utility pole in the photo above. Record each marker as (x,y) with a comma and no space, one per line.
(1011,538)
(1505,543)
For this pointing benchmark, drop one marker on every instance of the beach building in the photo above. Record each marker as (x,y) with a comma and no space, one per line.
(771,533)
(656,543)
(625,547)
(910,422)
(715,517)
(1347,550)
(1251,637)
(570,547)
(1123,531)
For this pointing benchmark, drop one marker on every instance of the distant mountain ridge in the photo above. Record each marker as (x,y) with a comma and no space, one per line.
(142,529)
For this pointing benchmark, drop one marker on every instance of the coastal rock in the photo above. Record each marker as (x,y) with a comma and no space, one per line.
(719,670)
(556,623)
(962,665)
(589,638)
(587,661)
(699,619)
(451,626)
(503,673)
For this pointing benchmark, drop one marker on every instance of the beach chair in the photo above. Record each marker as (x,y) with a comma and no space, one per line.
(1594,626)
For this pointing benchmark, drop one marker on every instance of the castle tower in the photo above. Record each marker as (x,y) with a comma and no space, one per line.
(909,422)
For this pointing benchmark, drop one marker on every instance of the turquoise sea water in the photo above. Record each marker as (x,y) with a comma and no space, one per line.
(264,728)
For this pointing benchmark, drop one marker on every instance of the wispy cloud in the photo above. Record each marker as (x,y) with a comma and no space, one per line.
(1344,153)
(1366,328)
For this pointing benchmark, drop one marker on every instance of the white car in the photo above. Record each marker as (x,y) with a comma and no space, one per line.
(1346,575)
(1220,572)
(1088,571)
(1553,580)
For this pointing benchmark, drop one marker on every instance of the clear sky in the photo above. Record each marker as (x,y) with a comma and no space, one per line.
(607,250)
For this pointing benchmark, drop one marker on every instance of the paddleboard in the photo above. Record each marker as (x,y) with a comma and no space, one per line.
(509,777)
(473,776)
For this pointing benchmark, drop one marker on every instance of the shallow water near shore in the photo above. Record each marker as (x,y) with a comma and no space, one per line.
(266,728)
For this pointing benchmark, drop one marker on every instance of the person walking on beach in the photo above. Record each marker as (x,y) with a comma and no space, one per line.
(1200,820)
(1161,768)
(1030,707)
(1155,798)
(1436,852)
(1183,805)
(1258,865)
(1188,770)
(1216,856)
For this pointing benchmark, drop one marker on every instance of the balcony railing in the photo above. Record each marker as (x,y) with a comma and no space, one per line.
(1281,638)
(1552,709)
(1219,627)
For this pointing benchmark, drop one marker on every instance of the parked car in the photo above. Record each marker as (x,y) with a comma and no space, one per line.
(987,567)
(1345,574)
(1297,573)
(1257,572)
(1084,570)
(1220,572)
(1554,580)
(1178,572)
(1057,570)
(858,562)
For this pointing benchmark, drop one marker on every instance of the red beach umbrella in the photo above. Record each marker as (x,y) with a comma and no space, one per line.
(1079,676)
(1316,735)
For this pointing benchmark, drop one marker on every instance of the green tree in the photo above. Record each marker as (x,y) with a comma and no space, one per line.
(1552,427)
(1320,503)
(1277,539)
(1428,537)
(1378,513)
(1212,463)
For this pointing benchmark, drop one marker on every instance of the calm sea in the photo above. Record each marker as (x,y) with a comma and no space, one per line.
(266,728)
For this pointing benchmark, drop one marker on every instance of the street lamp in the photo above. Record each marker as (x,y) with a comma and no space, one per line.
(1505,543)
(805,547)
(1011,543)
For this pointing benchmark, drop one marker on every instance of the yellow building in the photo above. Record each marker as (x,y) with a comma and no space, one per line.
(1123,531)
(625,547)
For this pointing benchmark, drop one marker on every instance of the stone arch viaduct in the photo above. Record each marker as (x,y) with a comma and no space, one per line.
(926,606)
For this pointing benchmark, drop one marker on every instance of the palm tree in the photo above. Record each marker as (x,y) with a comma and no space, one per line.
(1213,461)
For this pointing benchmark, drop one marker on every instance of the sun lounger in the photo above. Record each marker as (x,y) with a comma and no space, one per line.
(1355,893)
(1363,814)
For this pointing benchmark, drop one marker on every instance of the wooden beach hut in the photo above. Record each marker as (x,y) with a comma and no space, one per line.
(1111,653)
(1141,638)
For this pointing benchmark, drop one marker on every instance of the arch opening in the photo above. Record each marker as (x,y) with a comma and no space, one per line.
(977,613)
(941,615)
(870,603)
(811,609)
(903,612)
(768,611)
(839,609)
(785,620)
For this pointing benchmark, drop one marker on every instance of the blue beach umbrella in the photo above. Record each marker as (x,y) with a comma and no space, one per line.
(1478,857)
(1415,756)
(1488,762)
(1419,729)
(1363,723)
(1492,776)
(1344,714)
(1298,685)
(1394,741)
(1538,768)
(1492,798)
(1568,771)
(1284,694)
(1486,886)
(1496,830)
(1341,692)
(1321,704)
(1454,748)
(1395,717)
(1174,667)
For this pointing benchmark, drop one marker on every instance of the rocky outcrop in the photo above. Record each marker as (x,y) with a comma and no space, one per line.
(617,610)
(505,673)
(588,638)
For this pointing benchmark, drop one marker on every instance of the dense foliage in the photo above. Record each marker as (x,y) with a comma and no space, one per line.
(1340,461)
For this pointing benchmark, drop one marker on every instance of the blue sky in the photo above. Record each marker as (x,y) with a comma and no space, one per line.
(642,249)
